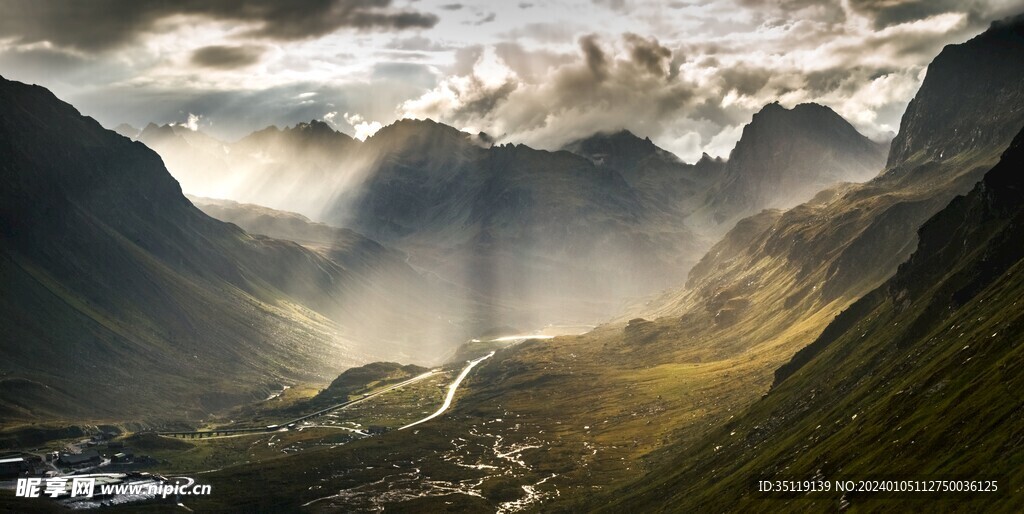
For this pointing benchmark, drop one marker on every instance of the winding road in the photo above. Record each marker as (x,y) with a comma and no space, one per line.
(227,432)
(451,391)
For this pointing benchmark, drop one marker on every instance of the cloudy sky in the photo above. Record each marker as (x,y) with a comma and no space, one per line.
(687,73)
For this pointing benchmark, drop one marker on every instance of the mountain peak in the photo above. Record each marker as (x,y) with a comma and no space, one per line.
(970,99)
(807,121)
(615,148)
(707,160)
(413,134)
(314,132)
(410,126)
(800,114)
(153,131)
(314,126)
(786,156)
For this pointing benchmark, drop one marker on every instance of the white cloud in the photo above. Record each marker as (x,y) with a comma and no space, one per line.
(192,123)
(363,128)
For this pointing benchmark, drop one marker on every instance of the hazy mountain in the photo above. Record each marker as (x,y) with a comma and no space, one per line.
(785,157)
(197,159)
(659,176)
(134,301)
(546,232)
(292,226)
(538,236)
(547,236)
(127,130)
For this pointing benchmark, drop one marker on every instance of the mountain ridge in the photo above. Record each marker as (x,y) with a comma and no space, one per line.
(108,263)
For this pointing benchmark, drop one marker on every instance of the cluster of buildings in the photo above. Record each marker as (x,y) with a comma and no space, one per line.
(20,464)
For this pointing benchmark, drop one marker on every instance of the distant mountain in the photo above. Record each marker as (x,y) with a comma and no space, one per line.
(621,150)
(290,226)
(545,232)
(575,232)
(123,300)
(658,175)
(786,156)
(198,160)
(128,131)
(528,232)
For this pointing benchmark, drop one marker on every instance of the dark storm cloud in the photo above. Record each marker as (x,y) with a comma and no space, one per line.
(227,57)
(649,54)
(105,24)
(745,80)
(596,60)
(604,86)
(891,12)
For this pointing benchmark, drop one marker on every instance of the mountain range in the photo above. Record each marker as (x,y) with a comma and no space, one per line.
(538,236)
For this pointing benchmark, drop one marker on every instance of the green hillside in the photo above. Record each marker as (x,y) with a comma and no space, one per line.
(920,378)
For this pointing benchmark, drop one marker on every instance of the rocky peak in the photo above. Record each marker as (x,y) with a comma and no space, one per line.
(970,99)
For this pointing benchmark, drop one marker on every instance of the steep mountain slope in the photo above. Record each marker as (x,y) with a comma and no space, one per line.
(785,157)
(919,378)
(945,124)
(122,299)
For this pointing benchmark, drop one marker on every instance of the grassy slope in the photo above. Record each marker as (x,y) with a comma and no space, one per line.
(923,378)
